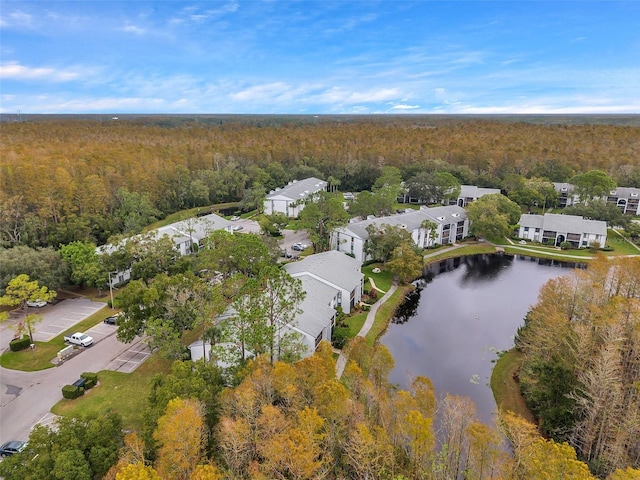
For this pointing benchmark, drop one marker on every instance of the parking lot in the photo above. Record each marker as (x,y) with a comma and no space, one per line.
(62,316)
(131,358)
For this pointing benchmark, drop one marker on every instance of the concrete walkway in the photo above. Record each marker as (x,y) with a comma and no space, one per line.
(371,316)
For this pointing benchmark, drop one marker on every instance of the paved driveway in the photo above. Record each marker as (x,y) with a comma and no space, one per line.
(26,398)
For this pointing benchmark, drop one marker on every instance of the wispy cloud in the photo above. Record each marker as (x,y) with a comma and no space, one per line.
(136,30)
(16,71)
(16,19)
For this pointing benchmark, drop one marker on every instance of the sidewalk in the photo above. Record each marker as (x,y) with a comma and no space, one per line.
(341,363)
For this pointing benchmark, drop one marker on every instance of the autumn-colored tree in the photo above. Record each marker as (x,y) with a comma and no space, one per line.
(405,263)
(180,434)
(137,471)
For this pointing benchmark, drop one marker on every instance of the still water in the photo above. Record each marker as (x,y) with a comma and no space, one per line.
(467,310)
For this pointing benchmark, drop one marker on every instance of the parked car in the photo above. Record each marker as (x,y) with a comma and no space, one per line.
(287,254)
(113,319)
(36,303)
(299,246)
(14,446)
(237,228)
(79,338)
(234,218)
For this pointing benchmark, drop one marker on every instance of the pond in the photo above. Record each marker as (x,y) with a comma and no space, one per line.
(465,311)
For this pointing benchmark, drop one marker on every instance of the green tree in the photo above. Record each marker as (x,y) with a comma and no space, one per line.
(323,212)
(21,289)
(492,216)
(264,309)
(134,210)
(42,264)
(87,267)
(82,447)
(405,263)
(383,240)
(592,184)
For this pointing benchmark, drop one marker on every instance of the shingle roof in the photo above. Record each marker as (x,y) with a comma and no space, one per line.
(410,220)
(179,231)
(299,189)
(472,191)
(335,267)
(316,306)
(625,192)
(564,223)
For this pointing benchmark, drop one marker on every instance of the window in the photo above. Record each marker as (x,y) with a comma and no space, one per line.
(526,229)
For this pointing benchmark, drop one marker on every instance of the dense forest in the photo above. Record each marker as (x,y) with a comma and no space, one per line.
(68,180)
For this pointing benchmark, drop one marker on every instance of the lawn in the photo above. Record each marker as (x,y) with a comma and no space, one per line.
(383,280)
(385,312)
(355,323)
(40,357)
(505,389)
(124,393)
(621,245)
(473,249)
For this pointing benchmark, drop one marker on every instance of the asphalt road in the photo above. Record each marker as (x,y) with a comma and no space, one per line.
(26,398)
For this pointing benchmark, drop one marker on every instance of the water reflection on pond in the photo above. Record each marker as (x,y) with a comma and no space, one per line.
(468,309)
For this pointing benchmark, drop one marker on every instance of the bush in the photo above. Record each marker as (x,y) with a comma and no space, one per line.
(89,384)
(90,376)
(340,337)
(71,391)
(565,246)
(18,344)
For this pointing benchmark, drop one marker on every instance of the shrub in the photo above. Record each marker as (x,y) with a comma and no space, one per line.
(18,344)
(89,384)
(340,337)
(565,246)
(71,391)
(90,376)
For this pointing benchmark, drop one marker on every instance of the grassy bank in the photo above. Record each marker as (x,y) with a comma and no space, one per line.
(385,313)
(506,390)
(472,249)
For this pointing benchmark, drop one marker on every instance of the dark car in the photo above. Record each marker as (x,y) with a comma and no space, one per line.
(113,319)
(14,446)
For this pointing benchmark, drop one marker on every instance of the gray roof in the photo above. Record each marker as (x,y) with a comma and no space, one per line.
(335,267)
(410,221)
(316,306)
(179,231)
(564,223)
(531,221)
(299,189)
(472,191)
(625,192)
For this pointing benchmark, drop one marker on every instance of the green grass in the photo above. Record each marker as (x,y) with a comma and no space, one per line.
(473,249)
(383,280)
(385,312)
(124,393)
(506,390)
(40,357)
(355,323)
(620,244)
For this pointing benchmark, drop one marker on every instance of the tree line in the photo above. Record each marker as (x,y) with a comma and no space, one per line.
(581,367)
(78,180)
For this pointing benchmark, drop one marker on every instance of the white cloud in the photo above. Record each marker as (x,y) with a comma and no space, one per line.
(17,19)
(129,28)
(405,107)
(16,71)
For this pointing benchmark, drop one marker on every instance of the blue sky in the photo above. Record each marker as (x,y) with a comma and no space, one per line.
(319,57)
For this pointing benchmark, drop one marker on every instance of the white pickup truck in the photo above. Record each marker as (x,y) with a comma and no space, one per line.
(79,338)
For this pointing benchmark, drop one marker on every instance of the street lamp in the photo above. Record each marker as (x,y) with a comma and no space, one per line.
(111,287)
